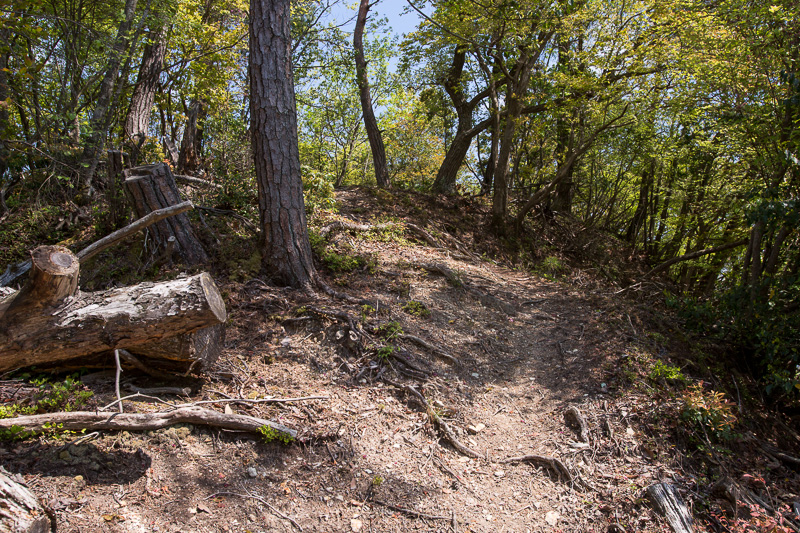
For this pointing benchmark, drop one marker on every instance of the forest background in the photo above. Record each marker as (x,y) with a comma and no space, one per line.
(672,125)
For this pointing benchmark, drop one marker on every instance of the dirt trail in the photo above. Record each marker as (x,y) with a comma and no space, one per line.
(370,458)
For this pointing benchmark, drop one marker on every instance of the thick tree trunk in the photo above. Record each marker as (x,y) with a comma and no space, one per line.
(153,187)
(286,252)
(144,94)
(48,322)
(20,511)
(370,123)
(102,110)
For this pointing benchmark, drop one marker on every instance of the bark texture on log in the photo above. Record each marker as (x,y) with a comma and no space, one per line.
(20,511)
(199,348)
(152,187)
(47,322)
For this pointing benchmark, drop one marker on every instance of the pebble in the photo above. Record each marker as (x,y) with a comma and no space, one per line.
(475,375)
(499,473)
(356,525)
(477,428)
(552,518)
(252,472)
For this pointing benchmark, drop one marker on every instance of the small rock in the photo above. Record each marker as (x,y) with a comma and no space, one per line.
(252,472)
(499,473)
(65,456)
(475,375)
(552,518)
(356,525)
(477,428)
(286,342)
(630,431)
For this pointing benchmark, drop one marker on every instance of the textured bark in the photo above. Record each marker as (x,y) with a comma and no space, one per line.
(90,323)
(102,110)
(114,194)
(188,159)
(153,187)
(273,122)
(517,88)
(20,511)
(144,93)
(370,122)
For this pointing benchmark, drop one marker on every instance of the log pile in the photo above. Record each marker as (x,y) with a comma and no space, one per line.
(49,321)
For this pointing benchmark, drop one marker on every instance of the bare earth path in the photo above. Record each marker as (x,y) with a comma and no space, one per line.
(369,458)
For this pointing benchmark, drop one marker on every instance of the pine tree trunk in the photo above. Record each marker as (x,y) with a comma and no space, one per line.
(286,252)
(370,122)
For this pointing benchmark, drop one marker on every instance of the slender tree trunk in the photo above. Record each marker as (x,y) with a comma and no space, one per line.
(144,94)
(286,252)
(188,158)
(4,151)
(640,214)
(96,142)
(370,122)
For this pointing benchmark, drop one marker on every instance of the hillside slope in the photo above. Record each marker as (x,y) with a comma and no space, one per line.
(505,354)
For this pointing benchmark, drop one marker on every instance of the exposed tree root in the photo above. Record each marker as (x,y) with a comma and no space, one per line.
(551,462)
(575,419)
(436,350)
(457,281)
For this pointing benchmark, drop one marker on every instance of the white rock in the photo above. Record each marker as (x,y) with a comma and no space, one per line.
(499,473)
(477,428)
(356,525)
(551,518)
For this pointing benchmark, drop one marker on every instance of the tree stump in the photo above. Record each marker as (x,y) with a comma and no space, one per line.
(20,511)
(153,187)
(49,321)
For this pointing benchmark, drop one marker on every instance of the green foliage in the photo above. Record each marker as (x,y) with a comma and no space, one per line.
(662,371)
(317,191)
(389,330)
(709,412)
(550,267)
(270,434)
(51,396)
(385,352)
(416,308)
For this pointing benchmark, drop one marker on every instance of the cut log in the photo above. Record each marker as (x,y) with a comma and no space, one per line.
(20,511)
(47,321)
(669,503)
(153,187)
(198,349)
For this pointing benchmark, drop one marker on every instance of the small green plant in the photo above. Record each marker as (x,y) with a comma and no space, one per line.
(384,352)
(390,330)
(377,481)
(270,434)
(50,396)
(550,267)
(708,411)
(665,372)
(366,311)
(413,307)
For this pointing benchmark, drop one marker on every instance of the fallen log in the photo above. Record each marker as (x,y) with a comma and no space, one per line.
(48,321)
(20,511)
(97,421)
